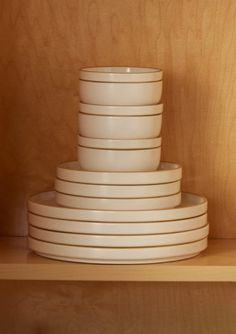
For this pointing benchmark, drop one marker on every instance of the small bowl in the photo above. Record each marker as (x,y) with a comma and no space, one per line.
(120,127)
(117,144)
(94,109)
(104,160)
(120,93)
(121,74)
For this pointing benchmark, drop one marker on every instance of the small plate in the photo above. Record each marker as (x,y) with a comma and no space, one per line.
(167,172)
(152,240)
(119,144)
(44,204)
(117,255)
(96,203)
(117,191)
(89,227)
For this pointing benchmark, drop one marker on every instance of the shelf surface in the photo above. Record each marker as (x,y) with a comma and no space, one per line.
(216,264)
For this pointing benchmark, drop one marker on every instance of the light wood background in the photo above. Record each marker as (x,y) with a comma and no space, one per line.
(117,308)
(43,44)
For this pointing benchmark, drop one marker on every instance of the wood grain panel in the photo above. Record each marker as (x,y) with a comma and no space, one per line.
(127,308)
(43,45)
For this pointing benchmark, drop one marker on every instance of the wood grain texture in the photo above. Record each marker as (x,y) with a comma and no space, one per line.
(127,308)
(43,45)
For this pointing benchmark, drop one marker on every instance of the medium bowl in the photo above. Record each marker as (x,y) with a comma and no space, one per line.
(105,160)
(121,74)
(120,93)
(120,127)
(94,109)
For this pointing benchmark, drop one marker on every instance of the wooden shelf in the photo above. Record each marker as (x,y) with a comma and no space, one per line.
(216,264)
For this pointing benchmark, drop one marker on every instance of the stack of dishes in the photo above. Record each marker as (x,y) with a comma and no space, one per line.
(118,203)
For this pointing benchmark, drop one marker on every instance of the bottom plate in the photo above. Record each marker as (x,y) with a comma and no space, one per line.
(117,255)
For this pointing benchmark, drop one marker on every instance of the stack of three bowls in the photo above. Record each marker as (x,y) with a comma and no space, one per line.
(107,209)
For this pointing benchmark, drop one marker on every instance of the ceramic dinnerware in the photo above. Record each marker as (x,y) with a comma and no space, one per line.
(89,240)
(120,127)
(94,109)
(44,204)
(133,160)
(117,191)
(166,173)
(95,203)
(121,74)
(117,255)
(90,227)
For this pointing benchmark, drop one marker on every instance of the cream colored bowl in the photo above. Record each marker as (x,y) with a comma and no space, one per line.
(95,203)
(94,159)
(90,227)
(117,191)
(166,173)
(89,240)
(120,93)
(44,204)
(117,255)
(120,127)
(119,144)
(93,109)
(121,74)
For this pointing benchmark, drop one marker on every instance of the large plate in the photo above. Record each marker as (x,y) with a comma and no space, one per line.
(89,227)
(116,191)
(119,240)
(167,172)
(44,204)
(117,255)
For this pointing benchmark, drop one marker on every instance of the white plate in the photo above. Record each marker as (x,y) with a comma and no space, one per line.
(118,144)
(89,227)
(96,203)
(120,93)
(152,240)
(117,255)
(117,191)
(121,74)
(44,204)
(104,160)
(166,173)
(94,109)
(119,127)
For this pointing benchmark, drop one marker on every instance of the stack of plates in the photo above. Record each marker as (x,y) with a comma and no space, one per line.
(118,203)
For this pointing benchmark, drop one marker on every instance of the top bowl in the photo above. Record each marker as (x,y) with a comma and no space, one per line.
(121,74)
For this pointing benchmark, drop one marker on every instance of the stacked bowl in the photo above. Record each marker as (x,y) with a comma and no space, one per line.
(118,203)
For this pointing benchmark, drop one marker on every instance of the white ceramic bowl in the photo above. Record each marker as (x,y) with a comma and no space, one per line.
(117,255)
(89,227)
(95,203)
(117,144)
(119,240)
(120,127)
(166,173)
(93,109)
(94,159)
(121,74)
(44,204)
(117,191)
(120,93)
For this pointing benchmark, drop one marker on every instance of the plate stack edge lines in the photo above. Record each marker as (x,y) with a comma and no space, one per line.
(118,203)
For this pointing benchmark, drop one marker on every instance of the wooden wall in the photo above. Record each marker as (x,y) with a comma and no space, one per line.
(117,308)
(44,44)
